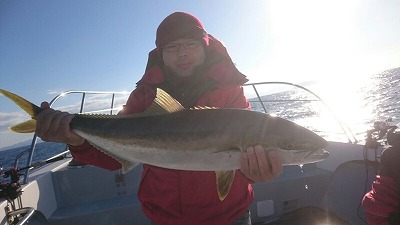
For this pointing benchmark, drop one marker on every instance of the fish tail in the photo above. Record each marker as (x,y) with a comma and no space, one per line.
(32,109)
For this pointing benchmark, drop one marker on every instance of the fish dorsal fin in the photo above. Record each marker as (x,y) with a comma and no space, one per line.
(224,181)
(163,104)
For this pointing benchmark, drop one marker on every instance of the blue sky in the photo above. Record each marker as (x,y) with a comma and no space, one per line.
(49,46)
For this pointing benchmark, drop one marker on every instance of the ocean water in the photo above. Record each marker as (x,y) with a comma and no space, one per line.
(43,151)
(347,110)
(376,99)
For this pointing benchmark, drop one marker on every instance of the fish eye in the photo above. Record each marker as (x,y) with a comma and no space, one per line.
(289,146)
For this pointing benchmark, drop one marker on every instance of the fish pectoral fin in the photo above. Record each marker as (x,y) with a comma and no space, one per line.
(230,149)
(224,181)
(25,127)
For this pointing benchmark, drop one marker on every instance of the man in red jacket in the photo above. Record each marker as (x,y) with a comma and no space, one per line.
(194,68)
(382,203)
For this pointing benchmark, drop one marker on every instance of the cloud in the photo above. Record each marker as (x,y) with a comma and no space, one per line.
(96,103)
(99,103)
(10,119)
(53,92)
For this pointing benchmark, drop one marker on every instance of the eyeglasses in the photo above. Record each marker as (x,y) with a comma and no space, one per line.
(174,47)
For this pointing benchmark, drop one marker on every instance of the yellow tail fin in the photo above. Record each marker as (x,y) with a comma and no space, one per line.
(32,109)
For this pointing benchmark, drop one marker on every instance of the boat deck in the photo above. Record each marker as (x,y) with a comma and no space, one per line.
(108,197)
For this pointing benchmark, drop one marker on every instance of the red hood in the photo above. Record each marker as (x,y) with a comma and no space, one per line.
(223,71)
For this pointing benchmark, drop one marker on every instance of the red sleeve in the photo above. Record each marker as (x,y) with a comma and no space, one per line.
(382,200)
(138,101)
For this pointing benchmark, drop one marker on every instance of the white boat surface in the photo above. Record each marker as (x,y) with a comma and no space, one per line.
(326,192)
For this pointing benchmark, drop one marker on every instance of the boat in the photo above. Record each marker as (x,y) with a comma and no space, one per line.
(62,191)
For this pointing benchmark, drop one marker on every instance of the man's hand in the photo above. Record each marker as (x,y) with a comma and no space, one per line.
(53,126)
(259,165)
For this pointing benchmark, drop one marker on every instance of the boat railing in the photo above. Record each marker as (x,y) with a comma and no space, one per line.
(351,138)
(21,216)
(84,95)
(112,108)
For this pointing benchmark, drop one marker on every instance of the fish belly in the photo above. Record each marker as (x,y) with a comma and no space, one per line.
(130,155)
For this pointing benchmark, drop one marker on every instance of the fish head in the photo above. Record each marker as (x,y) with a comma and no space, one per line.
(299,152)
(302,156)
(296,144)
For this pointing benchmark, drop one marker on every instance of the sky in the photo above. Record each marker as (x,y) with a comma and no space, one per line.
(50,46)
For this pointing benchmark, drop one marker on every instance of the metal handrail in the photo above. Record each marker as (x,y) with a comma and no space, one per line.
(55,99)
(29,212)
(346,130)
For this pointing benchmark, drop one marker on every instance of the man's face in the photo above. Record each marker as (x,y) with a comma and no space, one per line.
(183,56)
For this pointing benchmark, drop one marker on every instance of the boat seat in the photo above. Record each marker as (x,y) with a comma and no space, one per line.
(118,210)
(347,189)
(91,195)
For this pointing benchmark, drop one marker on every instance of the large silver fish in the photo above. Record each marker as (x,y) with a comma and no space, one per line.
(201,139)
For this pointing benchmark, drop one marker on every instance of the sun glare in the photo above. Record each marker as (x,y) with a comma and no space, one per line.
(311,40)
(321,41)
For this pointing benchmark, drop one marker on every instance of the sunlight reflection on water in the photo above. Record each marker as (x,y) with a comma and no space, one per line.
(358,104)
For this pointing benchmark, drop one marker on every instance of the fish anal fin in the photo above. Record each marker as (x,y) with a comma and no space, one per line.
(25,127)
(224,180)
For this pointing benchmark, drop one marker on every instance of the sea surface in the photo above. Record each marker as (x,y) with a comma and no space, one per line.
(340,111)
(344,115)
(19,156)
